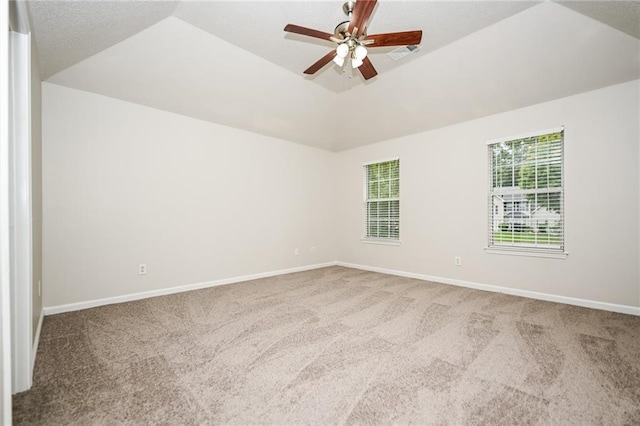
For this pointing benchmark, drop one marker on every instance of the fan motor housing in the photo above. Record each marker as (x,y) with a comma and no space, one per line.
(342,29)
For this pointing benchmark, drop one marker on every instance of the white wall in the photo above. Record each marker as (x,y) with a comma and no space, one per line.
(444,213)
(126,184)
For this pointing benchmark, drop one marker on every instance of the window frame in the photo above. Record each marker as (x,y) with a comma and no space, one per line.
(525,250)
(393,241)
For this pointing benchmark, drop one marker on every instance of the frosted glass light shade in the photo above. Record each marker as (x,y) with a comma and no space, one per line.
(342,50)
(355,62)
(338,61)
(360,52)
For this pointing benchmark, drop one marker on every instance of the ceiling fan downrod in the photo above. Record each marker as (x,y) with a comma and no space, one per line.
(342,29)
(347,8)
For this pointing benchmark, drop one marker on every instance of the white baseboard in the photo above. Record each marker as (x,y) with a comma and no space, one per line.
(51,310)
(623,309)
(36,340)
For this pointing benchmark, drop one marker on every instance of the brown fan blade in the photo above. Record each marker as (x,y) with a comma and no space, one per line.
(395,39)
(321,62)
(367,70)
(296,29)
(361,13)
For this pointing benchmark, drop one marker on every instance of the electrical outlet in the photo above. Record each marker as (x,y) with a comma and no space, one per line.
(142,269)
(457,261)
(313,250)
(296,251)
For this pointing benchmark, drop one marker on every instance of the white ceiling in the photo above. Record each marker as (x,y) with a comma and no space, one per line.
(231,63)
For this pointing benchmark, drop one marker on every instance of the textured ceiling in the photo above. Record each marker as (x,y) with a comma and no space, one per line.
(69,31)
(623,15)
(231,63)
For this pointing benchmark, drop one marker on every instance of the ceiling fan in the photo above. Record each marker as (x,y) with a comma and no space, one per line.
(353,40)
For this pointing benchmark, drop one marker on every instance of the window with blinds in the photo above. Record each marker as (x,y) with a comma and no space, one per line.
(526,193)
(382,201)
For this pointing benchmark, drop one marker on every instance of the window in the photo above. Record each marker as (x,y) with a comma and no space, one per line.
(382,201)
(526,194)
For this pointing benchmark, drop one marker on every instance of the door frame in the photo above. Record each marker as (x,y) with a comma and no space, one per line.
(20,212)
(5,262)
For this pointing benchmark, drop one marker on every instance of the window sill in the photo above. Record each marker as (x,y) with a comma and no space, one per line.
(380,241)
(526,252)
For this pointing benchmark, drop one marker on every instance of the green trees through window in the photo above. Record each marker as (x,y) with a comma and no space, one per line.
(526,192)
(382,200)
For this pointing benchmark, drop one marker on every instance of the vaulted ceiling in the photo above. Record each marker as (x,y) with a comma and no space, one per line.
(230,62)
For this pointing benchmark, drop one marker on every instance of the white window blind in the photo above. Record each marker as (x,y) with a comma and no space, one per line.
(526,193)
(382,201)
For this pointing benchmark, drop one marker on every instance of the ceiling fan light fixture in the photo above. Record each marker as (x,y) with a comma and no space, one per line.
(339,61)
(355,62)
(342,50)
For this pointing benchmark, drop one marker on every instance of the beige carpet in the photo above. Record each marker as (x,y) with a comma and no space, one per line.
(336,346)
